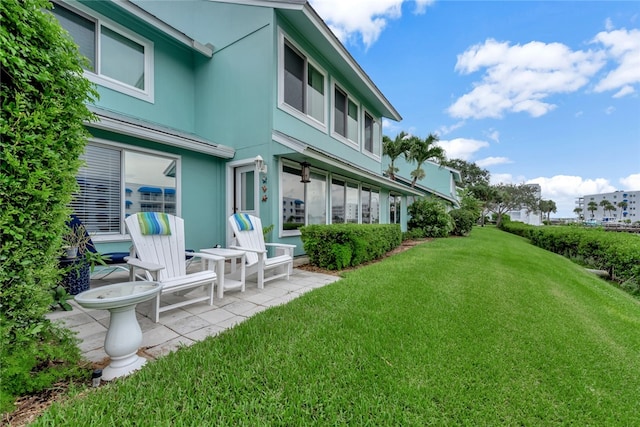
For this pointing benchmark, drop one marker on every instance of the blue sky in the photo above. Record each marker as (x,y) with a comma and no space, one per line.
(535,92)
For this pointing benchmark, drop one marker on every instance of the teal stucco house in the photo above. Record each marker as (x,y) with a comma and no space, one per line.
(213,107)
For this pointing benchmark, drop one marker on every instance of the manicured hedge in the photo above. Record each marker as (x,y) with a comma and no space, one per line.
(43,94)
(338,246)
(617,253)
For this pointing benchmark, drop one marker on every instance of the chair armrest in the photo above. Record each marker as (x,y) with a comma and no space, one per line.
(149,266)
(281,245)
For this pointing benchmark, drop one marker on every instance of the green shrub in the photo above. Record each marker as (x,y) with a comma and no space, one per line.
(43,95)
(338,246)
(430,216)
(463,221)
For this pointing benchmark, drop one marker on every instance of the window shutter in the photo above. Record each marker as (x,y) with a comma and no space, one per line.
(99,201)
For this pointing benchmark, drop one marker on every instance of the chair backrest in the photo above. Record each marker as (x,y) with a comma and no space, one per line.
(166,250)
(253,239)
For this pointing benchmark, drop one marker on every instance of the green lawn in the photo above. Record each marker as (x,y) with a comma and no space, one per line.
(483,330)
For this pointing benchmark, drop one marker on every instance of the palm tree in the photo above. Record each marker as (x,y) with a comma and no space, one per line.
(422,150)
(394,149)
(548,206)
(592,207)
(578,211)
(623,207)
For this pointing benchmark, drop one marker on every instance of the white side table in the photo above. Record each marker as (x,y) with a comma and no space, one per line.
(233,280)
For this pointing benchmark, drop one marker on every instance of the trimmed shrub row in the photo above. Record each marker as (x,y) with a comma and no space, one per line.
(617,253)
(339,246)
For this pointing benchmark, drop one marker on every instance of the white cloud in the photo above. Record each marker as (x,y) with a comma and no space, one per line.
(579,114)
(351,20)
(462,148)
(631,182)
(626,90)
(609,110)
(444,130)
(493,135)
(519,78)
(608,24)
(623,46)
(492,161)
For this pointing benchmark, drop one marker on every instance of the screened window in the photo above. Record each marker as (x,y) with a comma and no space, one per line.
(345,115)
(114,183)
(303,84)
(117,60)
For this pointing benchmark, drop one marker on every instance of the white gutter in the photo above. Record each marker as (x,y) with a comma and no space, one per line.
(142,14)
(136,128)
(314,153)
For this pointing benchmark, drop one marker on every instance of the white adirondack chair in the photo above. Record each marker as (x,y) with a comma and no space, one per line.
(258,263)
(163,257)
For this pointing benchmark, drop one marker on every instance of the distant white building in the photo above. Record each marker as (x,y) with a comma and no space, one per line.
(623,205)
(526,216)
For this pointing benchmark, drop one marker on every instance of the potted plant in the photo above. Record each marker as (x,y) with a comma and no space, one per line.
(75,241)
(78,258)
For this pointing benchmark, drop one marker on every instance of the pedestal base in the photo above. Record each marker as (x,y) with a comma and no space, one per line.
(123,367)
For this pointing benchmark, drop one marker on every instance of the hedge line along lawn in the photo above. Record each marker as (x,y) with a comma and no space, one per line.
(482,330)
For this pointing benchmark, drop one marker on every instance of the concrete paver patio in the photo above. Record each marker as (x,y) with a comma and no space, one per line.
(189,324)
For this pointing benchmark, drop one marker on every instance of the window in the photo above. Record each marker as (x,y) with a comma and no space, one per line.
(371,134)
(293,211)
(104,199)
(345,115)
(394,209)
(117,59)
(303,84)
(370,204)
(345,202)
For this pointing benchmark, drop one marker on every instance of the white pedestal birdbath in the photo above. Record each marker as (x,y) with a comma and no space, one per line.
(124,335)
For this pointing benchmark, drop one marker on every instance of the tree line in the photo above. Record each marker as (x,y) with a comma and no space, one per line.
(475,181)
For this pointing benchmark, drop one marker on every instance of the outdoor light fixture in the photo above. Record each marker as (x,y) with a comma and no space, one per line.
(305,172)
(262,168)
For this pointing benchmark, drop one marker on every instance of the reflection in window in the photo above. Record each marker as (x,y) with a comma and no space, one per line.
(337,201)
(121,58)
(149,186)
(352,203)
(293,211)
(394,209)
(317,199)
(303,84)
(369,202)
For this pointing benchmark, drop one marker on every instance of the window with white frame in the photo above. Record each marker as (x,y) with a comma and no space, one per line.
(116,182)
(302,204)
(118,59)
(345,115)
(304,84)
(370,205)
(371,135)
(345,201)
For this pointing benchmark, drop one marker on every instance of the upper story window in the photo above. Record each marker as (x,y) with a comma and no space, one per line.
(371,135)
(345,115)
(118,59)
(303,84)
